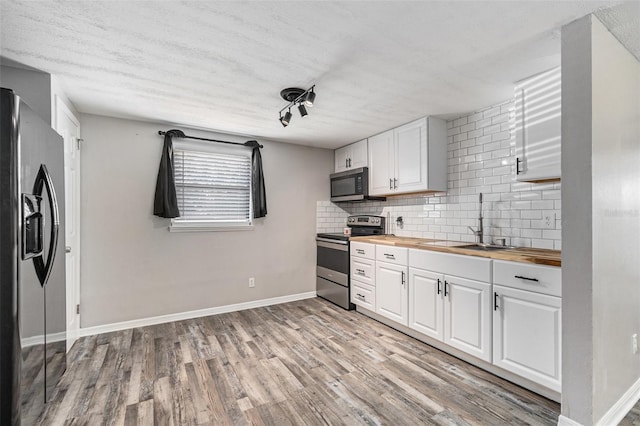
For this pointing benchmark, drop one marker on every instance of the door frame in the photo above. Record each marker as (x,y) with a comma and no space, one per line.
(72,286)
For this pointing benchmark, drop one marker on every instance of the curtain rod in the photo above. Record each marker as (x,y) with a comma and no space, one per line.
(161,133)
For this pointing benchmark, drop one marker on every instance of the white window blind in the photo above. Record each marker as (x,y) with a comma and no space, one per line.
(213,187)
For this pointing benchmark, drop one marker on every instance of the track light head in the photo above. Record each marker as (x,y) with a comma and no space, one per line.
(286,119)
(310,98)
(303,110)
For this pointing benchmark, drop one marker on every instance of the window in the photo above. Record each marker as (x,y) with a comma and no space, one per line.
(213,186)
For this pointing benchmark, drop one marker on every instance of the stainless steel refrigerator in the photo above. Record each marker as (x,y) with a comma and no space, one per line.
(32,267)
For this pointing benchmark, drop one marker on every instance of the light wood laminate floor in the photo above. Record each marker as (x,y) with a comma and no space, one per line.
(306,362)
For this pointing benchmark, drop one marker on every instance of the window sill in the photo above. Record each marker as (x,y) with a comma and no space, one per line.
(206,227)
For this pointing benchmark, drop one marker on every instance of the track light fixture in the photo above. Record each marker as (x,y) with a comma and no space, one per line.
(296,96)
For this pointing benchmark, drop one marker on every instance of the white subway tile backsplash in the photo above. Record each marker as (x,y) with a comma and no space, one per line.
(480,159)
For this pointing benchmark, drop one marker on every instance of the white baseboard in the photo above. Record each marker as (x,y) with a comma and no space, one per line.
(142,322)
(616,413)
(619,410)
(39,340)
(566,421)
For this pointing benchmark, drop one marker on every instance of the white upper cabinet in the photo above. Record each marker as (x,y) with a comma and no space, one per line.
(351,156)
(381,160)
(538,127)
(409,158)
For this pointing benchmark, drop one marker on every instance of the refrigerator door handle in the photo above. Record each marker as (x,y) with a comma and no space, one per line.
(43,180)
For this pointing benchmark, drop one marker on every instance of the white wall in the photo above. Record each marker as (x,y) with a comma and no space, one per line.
(481,156)
(32,86)
(616,217)
(601,174)
(134,268)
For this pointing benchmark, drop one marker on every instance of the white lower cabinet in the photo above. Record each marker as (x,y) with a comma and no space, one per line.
(426,303)
(363,280)
(514,323)
(391,292)
(527,321)
(451,309)
(467,316)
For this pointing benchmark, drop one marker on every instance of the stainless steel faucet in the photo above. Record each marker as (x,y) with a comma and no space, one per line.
(479,233)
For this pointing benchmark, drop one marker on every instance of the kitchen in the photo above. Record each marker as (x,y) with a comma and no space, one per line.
(134,273)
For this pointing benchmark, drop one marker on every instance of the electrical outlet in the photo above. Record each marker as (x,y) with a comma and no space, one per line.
(634,344)
(252,282)
(549,219)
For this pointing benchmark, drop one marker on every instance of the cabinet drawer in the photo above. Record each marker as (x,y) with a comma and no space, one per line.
(365,250)
(390,254)
(470,267)
(536,278)
(363,270)
(363,295)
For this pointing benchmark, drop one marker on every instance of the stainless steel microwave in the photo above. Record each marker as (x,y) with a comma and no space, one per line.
(351,185)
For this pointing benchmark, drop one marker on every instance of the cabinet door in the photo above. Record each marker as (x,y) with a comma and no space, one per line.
(359,155)
(527,335)
(538,126)
(342,158)
(381,164)
(391,292)
(411,157)
(426,302)
(467,316)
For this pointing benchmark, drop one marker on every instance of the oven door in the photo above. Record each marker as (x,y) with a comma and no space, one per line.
(333,260)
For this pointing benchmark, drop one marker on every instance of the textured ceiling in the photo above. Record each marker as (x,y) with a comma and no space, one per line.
(221,65)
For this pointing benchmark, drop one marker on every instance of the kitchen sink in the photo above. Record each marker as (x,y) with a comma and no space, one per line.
(485,247)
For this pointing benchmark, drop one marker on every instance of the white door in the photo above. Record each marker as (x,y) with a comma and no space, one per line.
(358,156)
(426,302)
(411,157)
(391,292)
(538,126)
(467,316)
(68,126)
(381,163)
(527,335)
(342,159)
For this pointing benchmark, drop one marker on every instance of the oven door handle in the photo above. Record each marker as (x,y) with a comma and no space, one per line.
(330,241)
(333,246)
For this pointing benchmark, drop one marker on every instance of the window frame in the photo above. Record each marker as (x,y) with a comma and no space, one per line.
(194,225)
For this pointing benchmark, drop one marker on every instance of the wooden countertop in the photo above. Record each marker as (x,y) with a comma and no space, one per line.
(521,254)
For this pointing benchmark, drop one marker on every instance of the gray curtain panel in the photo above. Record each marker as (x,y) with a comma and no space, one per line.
(165,203)
(259,193)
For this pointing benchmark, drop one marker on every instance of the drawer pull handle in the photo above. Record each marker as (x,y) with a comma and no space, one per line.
(361,297)
(403,281)
(439,289)
(445,288)
(495,301)
(389,256)
(359,251)
(525,278)
(360,271)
